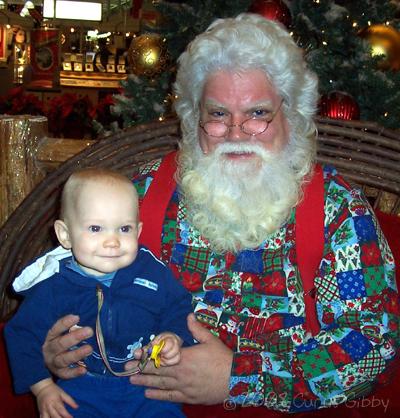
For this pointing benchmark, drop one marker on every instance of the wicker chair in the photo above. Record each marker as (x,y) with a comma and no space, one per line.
(363,152)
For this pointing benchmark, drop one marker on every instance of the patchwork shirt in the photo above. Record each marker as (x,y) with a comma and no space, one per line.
(253,301)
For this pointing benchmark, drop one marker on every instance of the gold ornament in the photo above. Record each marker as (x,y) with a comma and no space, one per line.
(148,55)
(385,42)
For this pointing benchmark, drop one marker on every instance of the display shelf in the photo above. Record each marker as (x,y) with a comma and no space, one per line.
(91,79)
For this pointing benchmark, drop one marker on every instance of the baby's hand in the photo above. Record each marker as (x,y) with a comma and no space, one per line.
(50,399)
(170,353)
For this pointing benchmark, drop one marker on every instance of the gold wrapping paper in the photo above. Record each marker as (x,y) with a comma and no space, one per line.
(19,139)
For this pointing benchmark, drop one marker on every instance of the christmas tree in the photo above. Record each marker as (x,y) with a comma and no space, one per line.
(337,36)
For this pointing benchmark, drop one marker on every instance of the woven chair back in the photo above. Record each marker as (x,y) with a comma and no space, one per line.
(365,153)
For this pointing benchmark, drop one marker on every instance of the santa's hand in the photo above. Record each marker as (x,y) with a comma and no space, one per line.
(56,348)
(201,377)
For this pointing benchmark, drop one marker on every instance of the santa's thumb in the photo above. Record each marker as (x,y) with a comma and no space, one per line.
(201,334)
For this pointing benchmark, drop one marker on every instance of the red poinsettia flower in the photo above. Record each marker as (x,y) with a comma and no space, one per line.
(239,389)
(246,365)
(191,280)
(370,254)
(18,102)
(70,111)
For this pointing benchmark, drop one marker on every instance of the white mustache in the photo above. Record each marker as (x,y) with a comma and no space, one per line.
(243,147)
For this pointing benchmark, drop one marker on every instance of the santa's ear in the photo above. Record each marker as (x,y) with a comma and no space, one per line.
(62,232)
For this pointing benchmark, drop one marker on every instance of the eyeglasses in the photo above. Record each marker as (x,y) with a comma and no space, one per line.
(252,126)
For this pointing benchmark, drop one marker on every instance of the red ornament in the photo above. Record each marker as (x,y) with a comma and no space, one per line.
(273,10)
(339,105)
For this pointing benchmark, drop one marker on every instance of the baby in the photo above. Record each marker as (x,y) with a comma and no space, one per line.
(116,287)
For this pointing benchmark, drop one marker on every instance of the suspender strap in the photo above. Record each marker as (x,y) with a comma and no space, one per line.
(154,205)
(310,242)
(309,227)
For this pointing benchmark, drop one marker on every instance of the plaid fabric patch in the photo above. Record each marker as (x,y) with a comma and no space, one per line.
(150,166)
(374,278)
(327,288)
(349,319)
(315,362)
(181,214)
(278,344)
(197,259)
(356,345)
(272,260)
(372,364)
(351,284)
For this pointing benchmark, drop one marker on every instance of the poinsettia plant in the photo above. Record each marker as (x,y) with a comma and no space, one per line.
(106,120)
(18,102)
(70,116)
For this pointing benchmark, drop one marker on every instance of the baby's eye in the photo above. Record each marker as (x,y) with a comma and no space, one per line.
(94,228)
(126,228)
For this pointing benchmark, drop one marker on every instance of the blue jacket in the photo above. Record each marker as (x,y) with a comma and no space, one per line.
(144,299)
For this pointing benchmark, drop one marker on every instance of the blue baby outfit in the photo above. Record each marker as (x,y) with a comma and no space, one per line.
(143,299)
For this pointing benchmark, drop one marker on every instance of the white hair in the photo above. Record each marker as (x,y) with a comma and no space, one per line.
(248,42)
(237,207)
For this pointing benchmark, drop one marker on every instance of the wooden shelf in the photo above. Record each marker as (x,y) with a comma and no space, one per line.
(91,79)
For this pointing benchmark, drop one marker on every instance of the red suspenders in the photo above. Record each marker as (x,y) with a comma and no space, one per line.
(155,202)
(309,226)
(310,242)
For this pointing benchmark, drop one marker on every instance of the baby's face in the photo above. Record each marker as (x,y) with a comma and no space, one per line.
(103,227)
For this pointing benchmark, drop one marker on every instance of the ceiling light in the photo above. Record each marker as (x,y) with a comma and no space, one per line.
(77,10)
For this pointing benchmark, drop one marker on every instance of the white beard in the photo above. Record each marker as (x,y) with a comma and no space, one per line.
(237,204)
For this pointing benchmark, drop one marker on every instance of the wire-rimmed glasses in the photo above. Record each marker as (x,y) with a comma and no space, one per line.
(252,126)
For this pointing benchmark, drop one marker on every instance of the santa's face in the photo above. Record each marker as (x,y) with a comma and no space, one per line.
(234,97)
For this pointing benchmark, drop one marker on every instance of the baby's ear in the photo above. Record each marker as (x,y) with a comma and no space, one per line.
(62,232)
(139,228)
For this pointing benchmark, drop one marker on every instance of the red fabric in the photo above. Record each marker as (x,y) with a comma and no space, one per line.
(11,405)
(310,242)
(154,206)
